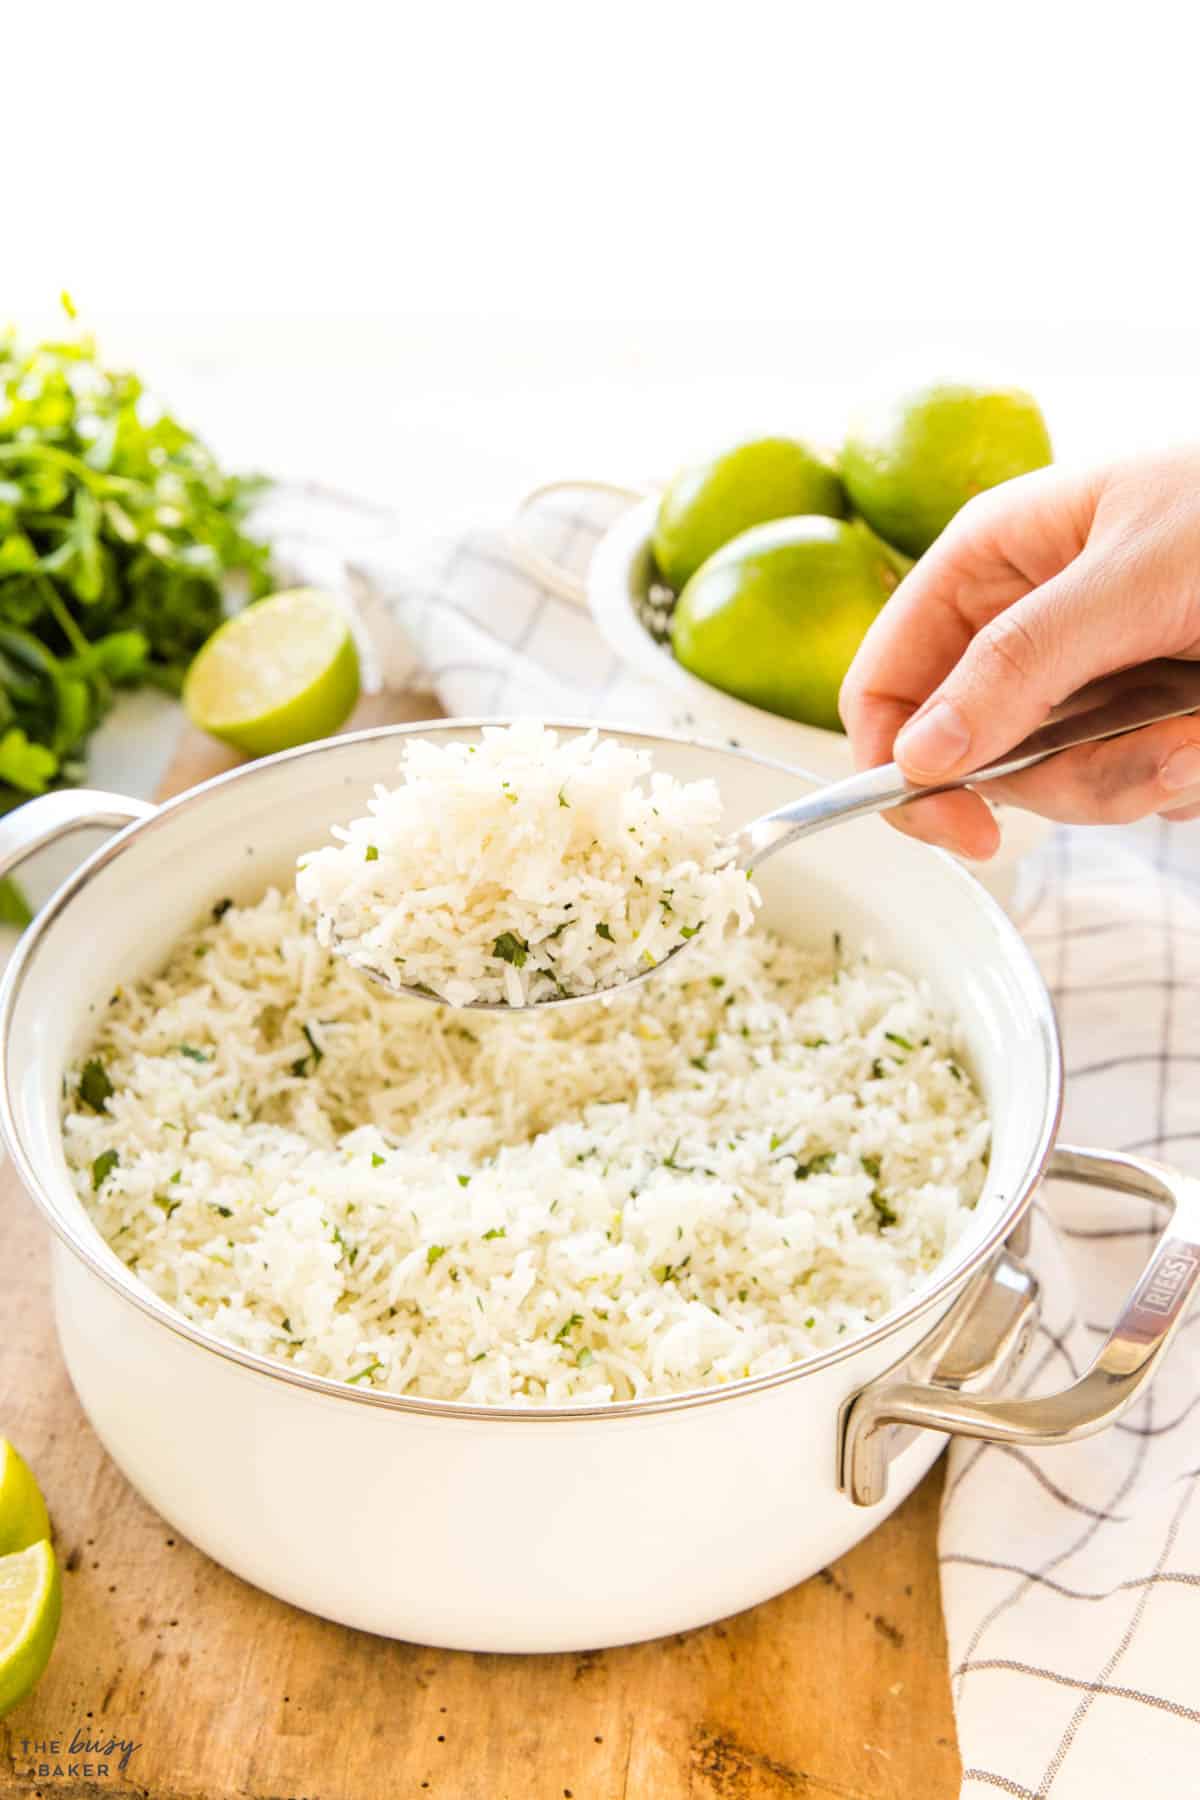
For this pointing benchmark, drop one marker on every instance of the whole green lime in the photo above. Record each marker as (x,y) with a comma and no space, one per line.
(910,464)
(777,615)
(708,503)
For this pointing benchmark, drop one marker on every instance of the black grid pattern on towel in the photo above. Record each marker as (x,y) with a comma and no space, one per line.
(1071,1577)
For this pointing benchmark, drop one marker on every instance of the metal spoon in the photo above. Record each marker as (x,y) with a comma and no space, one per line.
(1108,708)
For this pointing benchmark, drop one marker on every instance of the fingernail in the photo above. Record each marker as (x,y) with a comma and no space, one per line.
(1181,769)
(935,742)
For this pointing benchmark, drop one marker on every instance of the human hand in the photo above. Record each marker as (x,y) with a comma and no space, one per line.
(1036,588)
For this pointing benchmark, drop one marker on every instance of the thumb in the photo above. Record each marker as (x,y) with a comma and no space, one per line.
(1014,671)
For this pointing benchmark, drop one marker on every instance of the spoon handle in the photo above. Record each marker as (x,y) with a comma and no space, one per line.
(1107,708)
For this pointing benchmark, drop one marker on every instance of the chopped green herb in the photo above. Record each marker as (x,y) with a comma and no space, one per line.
(688,931)
(699,1062)
(190,1050)
(809,1322)
(717,981)
(816,1165)
(372,853)
(872,1166)
(956,1071)
(167,1206)
(583,1358)
(377,1161)
(743,1295)
(305,1065)
(103,1166)
(497,1231)
(603,931)
(877,1070)
(883,1211)
(894,1037)
(433,1254)
(479,1356)
(815,1043)
(95,1089)
(511,949)
(363,1373)
(575,1320)
(562,797)
(464,1181)
(226,1212)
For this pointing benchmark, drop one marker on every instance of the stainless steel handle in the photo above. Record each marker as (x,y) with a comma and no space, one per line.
(1126,701)
(1122,1368)
(52,816)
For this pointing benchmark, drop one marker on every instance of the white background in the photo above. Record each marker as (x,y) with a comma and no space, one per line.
(436,253)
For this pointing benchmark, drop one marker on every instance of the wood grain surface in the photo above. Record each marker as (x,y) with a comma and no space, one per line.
(838,1688)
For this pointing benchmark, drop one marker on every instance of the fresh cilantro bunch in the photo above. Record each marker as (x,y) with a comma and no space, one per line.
(118,534)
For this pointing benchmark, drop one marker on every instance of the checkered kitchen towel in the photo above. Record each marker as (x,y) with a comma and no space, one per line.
(1070,1578)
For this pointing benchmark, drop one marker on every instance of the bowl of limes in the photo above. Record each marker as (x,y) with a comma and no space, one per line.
(746,586)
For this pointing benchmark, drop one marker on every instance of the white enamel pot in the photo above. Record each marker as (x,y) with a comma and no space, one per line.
(548,1529)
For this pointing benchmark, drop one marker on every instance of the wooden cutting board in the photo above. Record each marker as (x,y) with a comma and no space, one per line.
(838,1688)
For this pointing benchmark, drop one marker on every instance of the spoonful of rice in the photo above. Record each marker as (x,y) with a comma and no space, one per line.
(529,868)
(525,868)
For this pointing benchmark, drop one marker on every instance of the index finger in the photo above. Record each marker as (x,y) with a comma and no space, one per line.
(919,636)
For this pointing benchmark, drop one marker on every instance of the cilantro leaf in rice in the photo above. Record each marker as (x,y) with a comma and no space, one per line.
(477,879)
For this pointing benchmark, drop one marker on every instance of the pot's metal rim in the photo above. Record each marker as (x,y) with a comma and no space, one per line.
(103,1262)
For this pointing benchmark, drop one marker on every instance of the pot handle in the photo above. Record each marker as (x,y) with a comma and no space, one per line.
(534,562)
(1124,1365)
(52,816)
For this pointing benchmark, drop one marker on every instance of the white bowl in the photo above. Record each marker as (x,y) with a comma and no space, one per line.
(619,580)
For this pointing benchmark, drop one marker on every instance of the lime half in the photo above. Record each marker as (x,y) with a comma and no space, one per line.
(281,673)
(23,1516)
(30,1605)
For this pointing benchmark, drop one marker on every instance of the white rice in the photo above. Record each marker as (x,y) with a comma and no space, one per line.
(523,868)
(753,1156)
